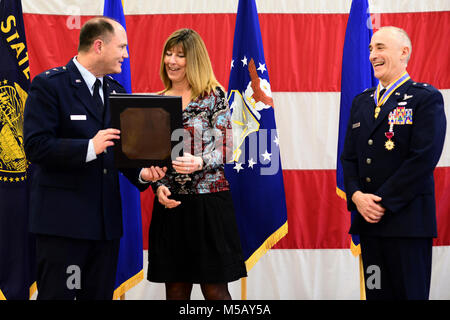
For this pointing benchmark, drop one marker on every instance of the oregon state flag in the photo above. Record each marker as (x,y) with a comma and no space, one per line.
(130,262)
(254,172)
(17,246)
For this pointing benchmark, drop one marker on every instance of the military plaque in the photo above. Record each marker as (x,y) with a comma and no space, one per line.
(146,124)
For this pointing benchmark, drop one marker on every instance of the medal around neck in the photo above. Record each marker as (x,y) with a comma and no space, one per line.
(390,89)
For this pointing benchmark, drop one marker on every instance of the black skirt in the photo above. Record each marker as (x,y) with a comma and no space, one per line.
(196,242)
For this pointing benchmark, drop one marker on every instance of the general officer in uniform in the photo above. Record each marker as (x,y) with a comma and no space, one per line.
(394,140)
(75,197)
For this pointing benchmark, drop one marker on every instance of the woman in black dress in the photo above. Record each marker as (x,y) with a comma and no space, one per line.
(193,235)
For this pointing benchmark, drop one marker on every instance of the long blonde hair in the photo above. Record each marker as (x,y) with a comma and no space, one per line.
(199,72)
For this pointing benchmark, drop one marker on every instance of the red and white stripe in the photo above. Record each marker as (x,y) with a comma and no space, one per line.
(303,42)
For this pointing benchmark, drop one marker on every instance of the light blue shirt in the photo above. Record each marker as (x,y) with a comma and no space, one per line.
(89,79)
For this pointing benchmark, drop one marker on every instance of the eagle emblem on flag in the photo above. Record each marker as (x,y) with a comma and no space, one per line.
(13,163)
(247,105)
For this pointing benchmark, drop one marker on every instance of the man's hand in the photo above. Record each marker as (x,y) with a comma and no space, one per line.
(163,194)
(104,138)
(153,174)
(368,206)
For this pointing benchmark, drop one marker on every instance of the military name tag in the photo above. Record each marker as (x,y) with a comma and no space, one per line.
(356,125)
(78,117)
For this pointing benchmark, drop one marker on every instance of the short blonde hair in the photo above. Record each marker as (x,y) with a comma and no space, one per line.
(199,72)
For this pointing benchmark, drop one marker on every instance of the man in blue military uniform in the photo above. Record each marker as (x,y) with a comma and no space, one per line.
(394,140)
(75,198)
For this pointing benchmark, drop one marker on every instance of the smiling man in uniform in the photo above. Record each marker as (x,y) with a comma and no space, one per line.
(394,140)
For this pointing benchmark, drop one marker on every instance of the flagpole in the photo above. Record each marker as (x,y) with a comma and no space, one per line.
(243,288)
(362,286)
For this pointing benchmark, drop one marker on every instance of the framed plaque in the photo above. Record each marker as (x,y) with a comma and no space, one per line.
(146,123)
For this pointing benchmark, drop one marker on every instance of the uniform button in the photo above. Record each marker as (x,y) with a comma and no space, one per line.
(370,142)
(105,171)
(368,161)
(368,179)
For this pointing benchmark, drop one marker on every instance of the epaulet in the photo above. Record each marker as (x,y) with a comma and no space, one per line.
(423,85)
(366,91)
(54,71)
(113,80)
(115,85)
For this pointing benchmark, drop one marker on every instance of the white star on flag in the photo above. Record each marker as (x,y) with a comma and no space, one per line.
(266,155)
(232,64)
(262,68)
(238,167)
(251,162)
(244,61)
(277,141)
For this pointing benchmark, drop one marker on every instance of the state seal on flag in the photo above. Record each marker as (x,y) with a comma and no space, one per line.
(13,163)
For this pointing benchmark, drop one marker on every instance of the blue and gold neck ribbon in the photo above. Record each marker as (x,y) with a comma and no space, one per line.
(390,89)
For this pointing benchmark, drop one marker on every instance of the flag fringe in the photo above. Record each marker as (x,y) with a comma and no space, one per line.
(355,249)
(269,243)
(33,289)
(127,285)
(341,193)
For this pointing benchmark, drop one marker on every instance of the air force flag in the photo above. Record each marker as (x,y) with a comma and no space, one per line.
(254,172)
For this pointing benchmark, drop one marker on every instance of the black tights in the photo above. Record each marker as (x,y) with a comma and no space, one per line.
(211,291)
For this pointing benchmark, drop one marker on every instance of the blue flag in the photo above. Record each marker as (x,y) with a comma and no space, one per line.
(357,75)
(130,263)
(17,246)
(255,172)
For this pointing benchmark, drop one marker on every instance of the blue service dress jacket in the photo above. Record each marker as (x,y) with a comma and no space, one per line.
(69,196)
(403,175)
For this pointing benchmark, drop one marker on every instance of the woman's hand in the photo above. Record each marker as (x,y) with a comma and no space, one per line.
(187,164)
(163,194)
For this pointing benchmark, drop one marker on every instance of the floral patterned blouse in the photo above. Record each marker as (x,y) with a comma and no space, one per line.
(207,134)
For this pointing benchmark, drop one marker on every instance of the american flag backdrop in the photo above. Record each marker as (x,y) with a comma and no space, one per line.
(303,46)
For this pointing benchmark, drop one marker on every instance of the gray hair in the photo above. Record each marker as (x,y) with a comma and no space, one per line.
(401,35)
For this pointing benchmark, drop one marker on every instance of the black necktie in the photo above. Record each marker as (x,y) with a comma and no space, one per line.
(97,98)
(382,92)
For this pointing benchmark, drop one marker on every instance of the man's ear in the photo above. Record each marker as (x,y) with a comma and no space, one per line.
(97,46)
(405,54)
